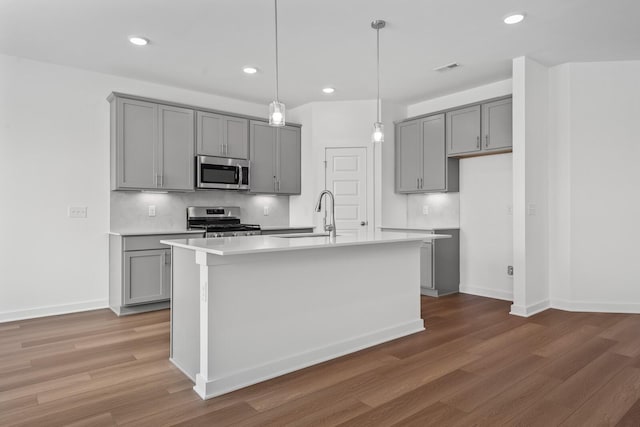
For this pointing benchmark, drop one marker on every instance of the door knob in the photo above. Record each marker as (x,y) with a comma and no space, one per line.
(363,223)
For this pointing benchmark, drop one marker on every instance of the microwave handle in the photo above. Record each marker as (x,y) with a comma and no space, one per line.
(239,177)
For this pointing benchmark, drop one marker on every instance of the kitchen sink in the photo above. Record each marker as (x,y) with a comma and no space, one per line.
(299,235)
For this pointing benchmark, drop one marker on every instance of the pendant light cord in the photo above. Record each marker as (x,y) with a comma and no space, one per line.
(378,69)
(276,20)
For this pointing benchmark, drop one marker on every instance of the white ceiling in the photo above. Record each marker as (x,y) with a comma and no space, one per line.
(203,44)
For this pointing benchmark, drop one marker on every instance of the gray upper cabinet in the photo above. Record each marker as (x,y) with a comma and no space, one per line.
(176,148)
(463,131)
(263,157)
(434,156)
(152,146)
(497,125)
(134,134)
(275,158)
(222,136)
(422,165)
(288,158)
(408,157)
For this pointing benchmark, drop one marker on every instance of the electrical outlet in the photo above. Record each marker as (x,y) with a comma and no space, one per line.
(265,210)
(77,211)
(425,210)
(532,209)
(509,270)
(509,209)
(152,210)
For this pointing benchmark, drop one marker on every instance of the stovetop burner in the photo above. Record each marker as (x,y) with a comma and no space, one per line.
(219,222)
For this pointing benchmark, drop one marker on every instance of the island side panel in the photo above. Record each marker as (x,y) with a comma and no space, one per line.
(185,307)
(273,313)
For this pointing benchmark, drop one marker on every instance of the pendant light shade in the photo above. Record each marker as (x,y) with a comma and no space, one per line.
(378,132)
(378,128)
(276,108)
(276,113)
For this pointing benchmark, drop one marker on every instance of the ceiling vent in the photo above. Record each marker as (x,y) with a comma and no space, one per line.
(447,67)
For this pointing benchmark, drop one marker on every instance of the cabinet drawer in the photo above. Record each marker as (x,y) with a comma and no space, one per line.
(142,243)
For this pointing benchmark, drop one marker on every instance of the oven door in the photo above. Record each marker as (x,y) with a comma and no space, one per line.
(217,172)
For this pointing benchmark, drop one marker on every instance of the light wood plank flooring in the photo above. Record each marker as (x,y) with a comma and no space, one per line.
(474,365)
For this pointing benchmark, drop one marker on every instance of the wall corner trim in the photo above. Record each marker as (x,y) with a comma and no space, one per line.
(486,292)
(597,307)
(530,310)
(53,310)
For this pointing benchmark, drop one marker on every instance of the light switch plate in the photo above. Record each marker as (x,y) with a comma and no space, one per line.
(77,212)
(425,210)
(265,210)
(152,210)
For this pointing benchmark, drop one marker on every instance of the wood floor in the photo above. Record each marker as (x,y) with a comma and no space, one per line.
(475,365)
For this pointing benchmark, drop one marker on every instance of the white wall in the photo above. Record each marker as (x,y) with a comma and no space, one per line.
(331,124)
(486,226)
(593,196)
(54,152)
(480,210)
(530,186)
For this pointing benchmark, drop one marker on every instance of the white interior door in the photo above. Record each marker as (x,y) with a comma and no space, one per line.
(346,177)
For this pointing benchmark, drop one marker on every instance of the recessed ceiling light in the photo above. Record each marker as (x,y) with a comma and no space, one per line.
(250,70)
(138,41)
(328,90)
(514,18)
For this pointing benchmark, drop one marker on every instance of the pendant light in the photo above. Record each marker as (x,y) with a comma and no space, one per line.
(378,127)
(276,108)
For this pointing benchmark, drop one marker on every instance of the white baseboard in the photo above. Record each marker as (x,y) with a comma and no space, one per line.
(207,389)
(52,310)
(530,310)
(486,292)
(599,307)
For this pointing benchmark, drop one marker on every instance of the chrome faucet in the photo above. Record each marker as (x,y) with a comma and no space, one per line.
(331,228)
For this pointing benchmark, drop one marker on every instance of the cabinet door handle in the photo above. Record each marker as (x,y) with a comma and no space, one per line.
(486,141)
(275,184)
(161,180)
(478,141)
(421,182)
(278,185)
(156,179)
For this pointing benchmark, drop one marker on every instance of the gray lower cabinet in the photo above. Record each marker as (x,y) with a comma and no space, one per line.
(146,276)
(274,153)
(140,272)
(152,146)
(422,164)
(440,265)
(222,136)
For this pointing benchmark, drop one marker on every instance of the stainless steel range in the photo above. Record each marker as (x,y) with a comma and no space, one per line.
(219,221)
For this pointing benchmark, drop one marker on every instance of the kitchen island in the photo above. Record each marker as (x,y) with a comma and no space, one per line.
(246,309)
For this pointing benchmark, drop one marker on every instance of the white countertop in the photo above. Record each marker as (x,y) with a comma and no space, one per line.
(286,227)
(420,229)
(272,243)
(154,232)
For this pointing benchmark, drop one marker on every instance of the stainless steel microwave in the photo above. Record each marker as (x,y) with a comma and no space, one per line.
(222,173)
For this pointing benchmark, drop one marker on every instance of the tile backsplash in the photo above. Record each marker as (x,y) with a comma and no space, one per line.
(443,210)
(130,209)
